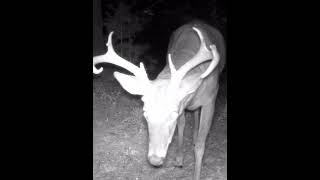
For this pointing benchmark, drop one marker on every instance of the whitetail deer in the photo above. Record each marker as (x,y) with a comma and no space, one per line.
(196,57)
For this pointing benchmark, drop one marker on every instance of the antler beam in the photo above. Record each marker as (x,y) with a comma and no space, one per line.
(112,57)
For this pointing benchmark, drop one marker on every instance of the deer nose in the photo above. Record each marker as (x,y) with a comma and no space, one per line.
(155,160)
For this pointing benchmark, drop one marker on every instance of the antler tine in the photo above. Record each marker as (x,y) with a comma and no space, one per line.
(213,63)
(112,57)
(202,55)
(171,65)
(97,60)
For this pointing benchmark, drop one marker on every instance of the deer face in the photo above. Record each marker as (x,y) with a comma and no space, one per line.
(161,113)
(160,131)
(160,109)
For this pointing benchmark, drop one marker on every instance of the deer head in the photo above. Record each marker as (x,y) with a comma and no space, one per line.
(164,100)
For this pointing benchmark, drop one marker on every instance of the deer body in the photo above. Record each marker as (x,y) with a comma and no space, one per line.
(190,80)
(184,44)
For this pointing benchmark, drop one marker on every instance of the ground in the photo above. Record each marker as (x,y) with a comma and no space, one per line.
(120,138)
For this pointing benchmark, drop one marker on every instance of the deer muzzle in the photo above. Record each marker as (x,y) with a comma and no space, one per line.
(155,160)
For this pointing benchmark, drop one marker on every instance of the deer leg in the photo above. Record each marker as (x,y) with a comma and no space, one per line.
(196,125)
(207,113)
(181,125)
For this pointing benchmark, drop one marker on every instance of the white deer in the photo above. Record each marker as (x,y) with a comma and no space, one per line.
(190,80)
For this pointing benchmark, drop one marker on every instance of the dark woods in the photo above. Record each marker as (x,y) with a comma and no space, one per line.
(98,36)
(143,28)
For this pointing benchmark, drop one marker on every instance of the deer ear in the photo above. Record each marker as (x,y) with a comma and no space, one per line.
(130,83)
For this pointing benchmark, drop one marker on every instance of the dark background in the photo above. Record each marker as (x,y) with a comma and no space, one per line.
(98,44)
(147,25)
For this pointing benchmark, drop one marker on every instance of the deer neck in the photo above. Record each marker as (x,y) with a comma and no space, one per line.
(183,95)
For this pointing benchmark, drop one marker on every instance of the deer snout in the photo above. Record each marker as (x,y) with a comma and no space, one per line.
(155,160)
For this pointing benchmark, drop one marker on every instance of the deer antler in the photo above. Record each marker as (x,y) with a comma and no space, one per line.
(171,65)
(202,55)
(112,57)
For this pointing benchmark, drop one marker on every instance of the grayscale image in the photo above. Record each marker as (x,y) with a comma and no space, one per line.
(159,90)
